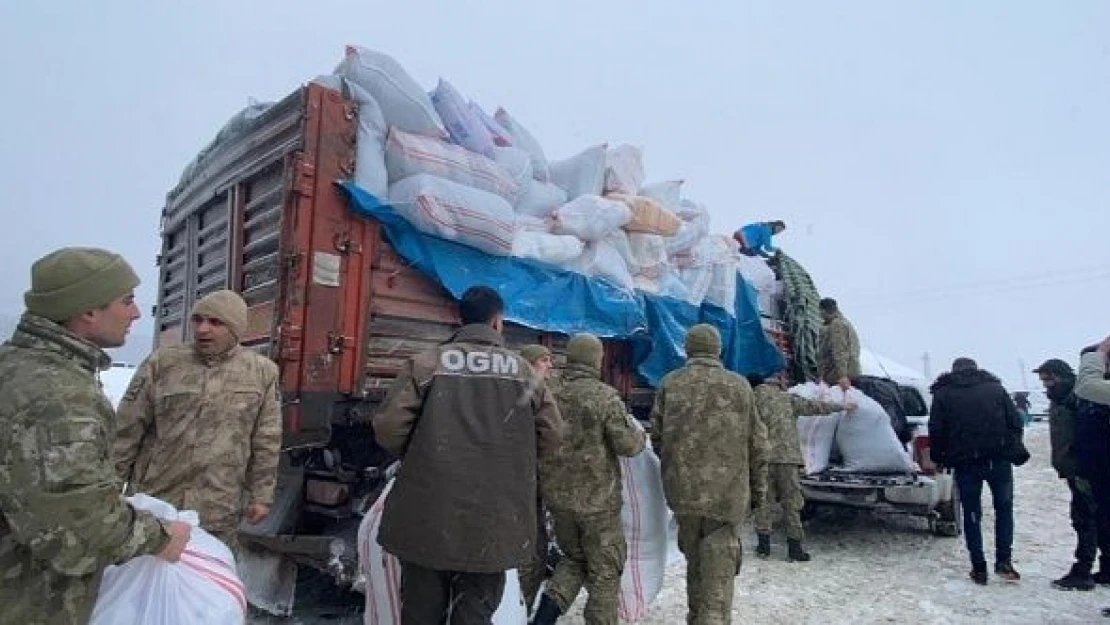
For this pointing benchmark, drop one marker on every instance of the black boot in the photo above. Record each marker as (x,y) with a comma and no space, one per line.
(979,573)
(1102,578)
(795,552)
(1078,578)
(547,613)
(763,549)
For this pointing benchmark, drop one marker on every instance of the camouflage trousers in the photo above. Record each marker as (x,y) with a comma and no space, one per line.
(783,487)
(712,550)
(594,551)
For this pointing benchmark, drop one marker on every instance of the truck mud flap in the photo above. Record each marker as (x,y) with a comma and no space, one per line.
(270,580)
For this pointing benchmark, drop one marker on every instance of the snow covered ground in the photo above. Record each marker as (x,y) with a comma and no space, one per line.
(871,568)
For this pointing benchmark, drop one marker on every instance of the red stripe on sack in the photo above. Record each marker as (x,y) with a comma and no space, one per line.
(429,212)
(231,586)
(637,533)
(209,558)
(389,563)
(452,207)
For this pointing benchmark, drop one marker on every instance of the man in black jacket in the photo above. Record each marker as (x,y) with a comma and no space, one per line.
(1092,536)
(975,429)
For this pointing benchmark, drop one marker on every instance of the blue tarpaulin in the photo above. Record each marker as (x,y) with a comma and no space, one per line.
(551,299)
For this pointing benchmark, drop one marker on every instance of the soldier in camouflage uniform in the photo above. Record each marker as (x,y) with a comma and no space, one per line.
(62,520)
(200,424)
(779,411)
(581,483)
(713,449)
(838,347)
(533,573)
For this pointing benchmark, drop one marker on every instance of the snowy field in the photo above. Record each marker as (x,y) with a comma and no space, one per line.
(887,569)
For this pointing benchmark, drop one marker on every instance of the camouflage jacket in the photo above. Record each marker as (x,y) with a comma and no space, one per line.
(62,519)
(711,443)
(202,434)
(584,474)
(779,411)
(838,351)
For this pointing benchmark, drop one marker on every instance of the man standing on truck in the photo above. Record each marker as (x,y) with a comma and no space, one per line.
(582,485)
(975,429)
(62,520)
(779,412)
(1091,538)
(713,449)
(466,419)
(838,347)
(200,423)
(755,239)
(533,573)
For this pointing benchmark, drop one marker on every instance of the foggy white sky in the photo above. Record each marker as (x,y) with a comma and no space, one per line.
(944,167)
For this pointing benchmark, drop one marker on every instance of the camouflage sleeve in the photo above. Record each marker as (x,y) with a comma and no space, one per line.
(811,407)
(266,442)
(625,436)
(840,350)
(133,419)
(549,423)
(759,453)
(1091,383)
(393,423)
(67,508)
(657,420)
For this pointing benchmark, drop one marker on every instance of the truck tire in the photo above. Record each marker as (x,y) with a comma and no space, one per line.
(948,522)
(809,510)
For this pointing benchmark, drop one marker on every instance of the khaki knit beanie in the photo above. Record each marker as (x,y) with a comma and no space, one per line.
(703,341)
(74,280)
(585,349)
(533,353)
(228,307)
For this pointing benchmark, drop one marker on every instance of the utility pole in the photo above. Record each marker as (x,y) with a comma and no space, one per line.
(1024,381)
(926,369)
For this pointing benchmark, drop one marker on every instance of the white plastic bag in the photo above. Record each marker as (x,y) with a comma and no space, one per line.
(408,155)
(649,255)
(534,224)
(697,280)
(646,519)
(722,288)
(500,135)
(601,260)
(591,217)
(203,588)
(694,228)
(370,171)
(624,169)
(581,174)
(866,442)
(456,212)
(517,164)
(462,124)
(556,249)
(668,193)
(524,140)
(540,199)
(402,101)
(383,577)
(757,273)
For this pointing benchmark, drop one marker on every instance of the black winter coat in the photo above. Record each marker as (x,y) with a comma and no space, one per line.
(1092,441)
(973,419)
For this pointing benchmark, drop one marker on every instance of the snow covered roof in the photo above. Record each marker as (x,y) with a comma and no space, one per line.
(876,364)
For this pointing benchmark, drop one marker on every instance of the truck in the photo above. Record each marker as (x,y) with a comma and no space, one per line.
(332,303)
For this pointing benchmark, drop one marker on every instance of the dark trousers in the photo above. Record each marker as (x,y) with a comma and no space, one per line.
(1092,533)
(999,477)
(448,598)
